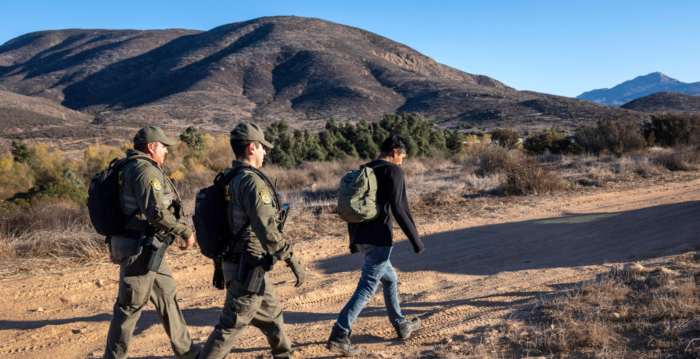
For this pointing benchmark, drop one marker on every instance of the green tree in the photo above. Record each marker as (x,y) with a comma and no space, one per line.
(22,153)
(454,141)
(193,139)
(506,138)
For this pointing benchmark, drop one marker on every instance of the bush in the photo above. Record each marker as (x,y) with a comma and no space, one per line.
(506,138)
(14,176)
(682,158)
(529,177)
(495,159)
(673,129)
(53,190)
(549,141)
(610,136)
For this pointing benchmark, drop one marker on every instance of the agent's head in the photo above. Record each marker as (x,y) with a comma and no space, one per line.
(248,144)
(152,141)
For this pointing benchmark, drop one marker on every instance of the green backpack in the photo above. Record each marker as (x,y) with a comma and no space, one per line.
(357,195)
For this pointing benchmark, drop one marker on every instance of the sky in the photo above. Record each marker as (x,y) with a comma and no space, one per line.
(557,47)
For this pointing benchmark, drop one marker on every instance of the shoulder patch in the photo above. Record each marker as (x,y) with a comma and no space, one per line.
(155,183)
(265,197)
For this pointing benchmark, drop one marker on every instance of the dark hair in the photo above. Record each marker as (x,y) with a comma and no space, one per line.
(141,146)
(393,142)
(239,147)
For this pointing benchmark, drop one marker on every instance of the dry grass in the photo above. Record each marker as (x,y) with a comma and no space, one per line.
(632,312)
(681,158)
(49,229)
(530,177)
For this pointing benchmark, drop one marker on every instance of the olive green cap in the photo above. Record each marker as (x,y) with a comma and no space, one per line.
(246,131)
(150,134)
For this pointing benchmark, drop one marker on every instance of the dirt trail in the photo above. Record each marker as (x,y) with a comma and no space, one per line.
(473,272)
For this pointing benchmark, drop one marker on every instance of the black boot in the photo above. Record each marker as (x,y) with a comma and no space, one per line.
(339,342)
(405,329)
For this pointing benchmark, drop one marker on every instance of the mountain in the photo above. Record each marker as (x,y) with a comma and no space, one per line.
(25,117)
(300,69)
(664,102)
(639,87)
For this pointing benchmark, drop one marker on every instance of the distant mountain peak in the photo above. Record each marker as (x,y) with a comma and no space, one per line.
(638,87)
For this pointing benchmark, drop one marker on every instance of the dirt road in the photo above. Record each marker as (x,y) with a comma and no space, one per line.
(474,271)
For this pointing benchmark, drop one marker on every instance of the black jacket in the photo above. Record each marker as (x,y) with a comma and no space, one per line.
(392,201)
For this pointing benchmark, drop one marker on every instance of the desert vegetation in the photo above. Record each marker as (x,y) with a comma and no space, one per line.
(631,311)
(43,193)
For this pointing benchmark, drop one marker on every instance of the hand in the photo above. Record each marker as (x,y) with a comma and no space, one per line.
(189,243)
(112,259)
(297,269)
(218,280)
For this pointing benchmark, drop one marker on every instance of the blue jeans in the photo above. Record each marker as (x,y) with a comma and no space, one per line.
(377,268)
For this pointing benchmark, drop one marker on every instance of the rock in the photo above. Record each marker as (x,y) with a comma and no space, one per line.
(100,283)
(446,340)
(616,315)
(455,348)
(40,309)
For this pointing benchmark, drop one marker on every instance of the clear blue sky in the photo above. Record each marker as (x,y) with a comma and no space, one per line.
(557,47)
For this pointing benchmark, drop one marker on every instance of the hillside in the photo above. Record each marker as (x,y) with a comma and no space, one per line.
(300,69)
(639,87)
(663,102)
(35,118)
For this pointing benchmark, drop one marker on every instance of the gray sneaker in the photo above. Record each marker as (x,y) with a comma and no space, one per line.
(339,342)
(407,327)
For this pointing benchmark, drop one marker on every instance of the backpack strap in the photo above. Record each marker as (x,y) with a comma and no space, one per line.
(221,180)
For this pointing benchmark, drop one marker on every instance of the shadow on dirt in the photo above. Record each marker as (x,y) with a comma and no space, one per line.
(576,240)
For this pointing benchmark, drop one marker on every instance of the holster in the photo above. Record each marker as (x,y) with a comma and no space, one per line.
(153,250)
(251,271)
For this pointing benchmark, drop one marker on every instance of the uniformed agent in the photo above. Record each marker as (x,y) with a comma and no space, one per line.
(253,209)
(146,198)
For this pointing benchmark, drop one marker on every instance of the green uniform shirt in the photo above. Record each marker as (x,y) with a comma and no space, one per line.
(252,199)
(146,192)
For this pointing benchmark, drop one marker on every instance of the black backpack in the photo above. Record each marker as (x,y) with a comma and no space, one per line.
(213,233)
(103,199)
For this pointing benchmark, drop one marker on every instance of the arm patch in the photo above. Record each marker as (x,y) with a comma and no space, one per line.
(155,183)
(265,197)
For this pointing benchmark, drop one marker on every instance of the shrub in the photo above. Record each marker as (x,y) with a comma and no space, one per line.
(98,157)
(14,176)
(682,158)
(506,138)
(193,139)
(53,190)
(529,177)
(22,153)
(610,136)
(495,159)
(673,129)
(548,141)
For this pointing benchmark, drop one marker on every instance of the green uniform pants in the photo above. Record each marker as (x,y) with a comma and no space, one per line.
(136,287)
(263,310)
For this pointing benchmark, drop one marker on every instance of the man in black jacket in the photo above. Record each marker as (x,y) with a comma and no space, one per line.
(375,239)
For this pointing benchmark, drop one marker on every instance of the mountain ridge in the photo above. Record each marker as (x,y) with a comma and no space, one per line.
(666,102)
(300,69)
(639,87)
